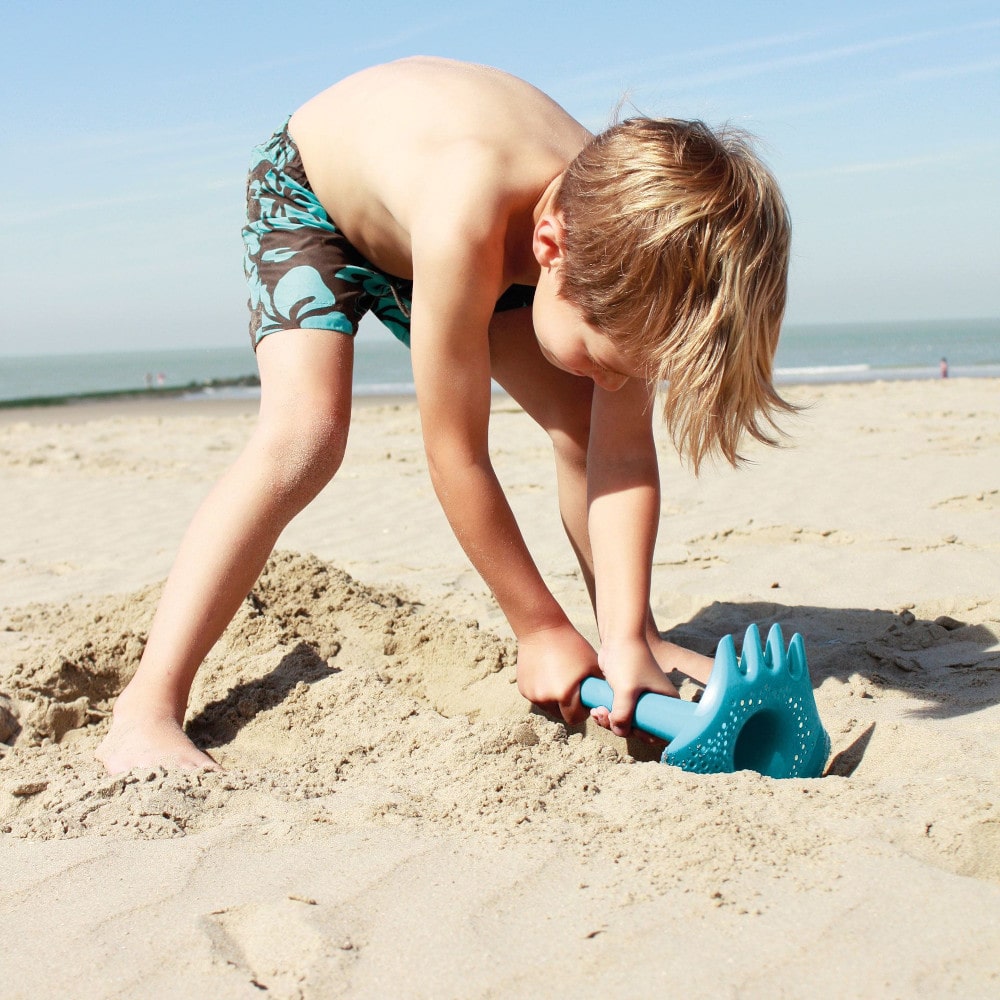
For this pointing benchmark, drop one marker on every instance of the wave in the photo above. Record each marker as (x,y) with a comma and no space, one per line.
(821,371)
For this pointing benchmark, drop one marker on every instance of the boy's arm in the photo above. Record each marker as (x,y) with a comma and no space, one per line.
(456,284)
(623,488)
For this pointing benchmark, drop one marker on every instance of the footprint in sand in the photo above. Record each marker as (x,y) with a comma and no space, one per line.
(290,947)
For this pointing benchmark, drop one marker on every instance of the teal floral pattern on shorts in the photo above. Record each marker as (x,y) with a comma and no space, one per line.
(301,270)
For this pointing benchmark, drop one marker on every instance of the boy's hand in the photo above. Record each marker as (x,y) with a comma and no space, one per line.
(551,666)
(631,670)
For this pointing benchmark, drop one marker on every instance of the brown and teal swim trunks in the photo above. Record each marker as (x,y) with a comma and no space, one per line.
(302,270)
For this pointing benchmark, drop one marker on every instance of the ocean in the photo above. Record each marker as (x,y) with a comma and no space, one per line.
(867,352)
(849,352)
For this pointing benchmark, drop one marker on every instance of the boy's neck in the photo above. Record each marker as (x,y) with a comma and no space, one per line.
(522,268)
(547,199)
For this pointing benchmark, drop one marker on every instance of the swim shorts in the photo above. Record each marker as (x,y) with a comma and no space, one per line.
(302,270)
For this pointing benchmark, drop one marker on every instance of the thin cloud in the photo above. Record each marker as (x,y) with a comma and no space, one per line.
(628,70)
(948,72)
(831,54)
(416,30)
(87,208)
(642,75)
(883,166)
(142,142)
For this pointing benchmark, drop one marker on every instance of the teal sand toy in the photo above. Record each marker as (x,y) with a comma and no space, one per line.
(757,713)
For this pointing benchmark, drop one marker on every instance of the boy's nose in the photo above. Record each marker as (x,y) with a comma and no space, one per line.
(609,381)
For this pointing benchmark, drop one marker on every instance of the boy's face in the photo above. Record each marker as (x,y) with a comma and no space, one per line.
(569,342)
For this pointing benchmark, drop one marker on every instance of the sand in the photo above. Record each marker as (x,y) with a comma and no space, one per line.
(393,820)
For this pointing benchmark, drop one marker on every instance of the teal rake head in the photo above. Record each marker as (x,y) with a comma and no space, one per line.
(757,713)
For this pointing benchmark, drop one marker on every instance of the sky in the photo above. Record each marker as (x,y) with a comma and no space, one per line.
(127,126)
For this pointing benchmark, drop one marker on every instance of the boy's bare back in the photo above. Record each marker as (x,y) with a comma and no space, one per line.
(428,144)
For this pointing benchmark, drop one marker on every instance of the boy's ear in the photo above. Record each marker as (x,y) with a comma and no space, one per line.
(547,240)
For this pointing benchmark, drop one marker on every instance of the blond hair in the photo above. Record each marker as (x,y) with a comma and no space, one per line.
(676,246)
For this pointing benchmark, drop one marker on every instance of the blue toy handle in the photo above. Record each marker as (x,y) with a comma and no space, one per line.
(757,712)
(655,714)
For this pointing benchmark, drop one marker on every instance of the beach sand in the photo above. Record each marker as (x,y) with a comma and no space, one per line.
(394,821)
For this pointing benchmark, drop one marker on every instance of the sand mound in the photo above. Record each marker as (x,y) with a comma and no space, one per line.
(330,702)
(302,622)
(81,657)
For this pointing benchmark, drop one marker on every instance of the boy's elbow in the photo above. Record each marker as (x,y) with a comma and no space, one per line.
(445,453)
(450,467)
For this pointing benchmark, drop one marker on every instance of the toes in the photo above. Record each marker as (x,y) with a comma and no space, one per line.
(601,716)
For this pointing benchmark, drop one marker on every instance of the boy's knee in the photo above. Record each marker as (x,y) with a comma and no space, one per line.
(303,457)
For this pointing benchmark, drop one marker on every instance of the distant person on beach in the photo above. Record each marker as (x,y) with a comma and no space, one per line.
(944,368)
(498,238)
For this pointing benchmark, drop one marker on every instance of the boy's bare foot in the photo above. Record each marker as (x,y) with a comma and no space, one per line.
(135,741)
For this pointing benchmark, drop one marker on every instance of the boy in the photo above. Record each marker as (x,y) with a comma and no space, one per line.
(448,198)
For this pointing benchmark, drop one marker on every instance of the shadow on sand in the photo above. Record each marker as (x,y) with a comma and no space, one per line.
(219,722)
(951,666)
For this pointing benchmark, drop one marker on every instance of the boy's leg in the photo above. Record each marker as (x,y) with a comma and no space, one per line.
(295,449)
(561,404)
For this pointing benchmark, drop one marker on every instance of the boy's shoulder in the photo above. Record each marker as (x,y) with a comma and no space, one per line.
(422,110)
(427,142)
